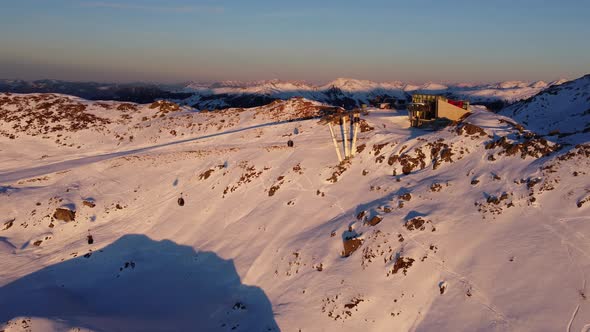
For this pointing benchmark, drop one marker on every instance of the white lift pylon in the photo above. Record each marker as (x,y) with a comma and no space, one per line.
(349,141)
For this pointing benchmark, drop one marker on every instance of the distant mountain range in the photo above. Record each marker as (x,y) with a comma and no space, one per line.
(351,92)
(344,92)
(132,92)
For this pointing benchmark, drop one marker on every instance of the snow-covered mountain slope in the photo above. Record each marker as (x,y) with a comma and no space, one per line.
(562,110)
(481,225)
(351,92)
(47,126)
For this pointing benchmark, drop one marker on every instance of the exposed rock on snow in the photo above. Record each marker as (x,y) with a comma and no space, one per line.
(88,203)
(351,245)
(421,230)
(64,214)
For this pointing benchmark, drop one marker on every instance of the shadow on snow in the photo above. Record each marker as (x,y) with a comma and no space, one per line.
(138,284)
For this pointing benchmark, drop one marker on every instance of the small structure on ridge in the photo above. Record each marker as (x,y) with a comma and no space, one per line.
(426,109)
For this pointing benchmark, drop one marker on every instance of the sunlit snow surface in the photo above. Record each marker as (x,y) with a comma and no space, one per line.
(502,232)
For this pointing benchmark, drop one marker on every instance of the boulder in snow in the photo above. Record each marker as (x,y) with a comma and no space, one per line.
(64,214)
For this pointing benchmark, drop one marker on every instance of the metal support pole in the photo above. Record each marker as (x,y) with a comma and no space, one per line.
(345,137)
(335,142)
(356,131)
(351,115)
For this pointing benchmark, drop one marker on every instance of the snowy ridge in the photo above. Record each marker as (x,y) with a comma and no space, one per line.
(561,110)
(209,221)
(351,93)
(345,92)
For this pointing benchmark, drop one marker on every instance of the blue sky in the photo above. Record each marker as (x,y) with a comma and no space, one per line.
(316,41)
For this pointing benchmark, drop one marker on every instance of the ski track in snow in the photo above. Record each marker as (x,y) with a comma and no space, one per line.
(13,176)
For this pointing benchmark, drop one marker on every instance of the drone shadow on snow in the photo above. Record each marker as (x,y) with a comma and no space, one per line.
(138,284)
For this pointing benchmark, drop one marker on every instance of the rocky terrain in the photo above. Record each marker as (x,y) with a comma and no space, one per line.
(152,217)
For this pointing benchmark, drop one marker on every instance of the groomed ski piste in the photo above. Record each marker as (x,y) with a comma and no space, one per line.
(125,217)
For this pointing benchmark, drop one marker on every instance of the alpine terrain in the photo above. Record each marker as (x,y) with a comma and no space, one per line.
(190,214)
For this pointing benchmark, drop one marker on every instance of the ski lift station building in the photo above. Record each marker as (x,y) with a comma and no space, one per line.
(426,109)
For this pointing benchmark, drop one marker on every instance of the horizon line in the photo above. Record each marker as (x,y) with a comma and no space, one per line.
(305,82)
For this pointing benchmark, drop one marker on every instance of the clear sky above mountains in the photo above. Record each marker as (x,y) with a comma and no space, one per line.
(177,40)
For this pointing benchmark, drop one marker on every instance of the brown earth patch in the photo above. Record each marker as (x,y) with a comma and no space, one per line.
(127,107)
(365,127)
(406,197)
(165,106)
(88,203)
(351,245)
(46,113)
(417,223)
(250,173)
(533,147)
(469,129)
(402,264)
(64,214)
(435,187)
(9,223)
(583,201)
(378,147)
(206,174)
(361,148)
(276,186)
(408,162)
(375,220)
(361,216)
(338,171)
